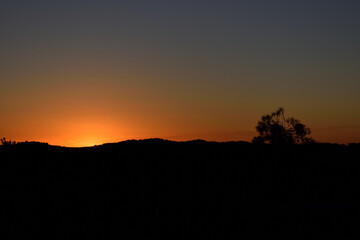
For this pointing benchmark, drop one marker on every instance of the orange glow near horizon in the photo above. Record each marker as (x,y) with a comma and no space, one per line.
(96,113)
(92,111)
(86,113)
(87,133)
(97,133)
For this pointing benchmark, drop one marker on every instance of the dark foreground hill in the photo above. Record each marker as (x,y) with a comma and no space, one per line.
(185,190)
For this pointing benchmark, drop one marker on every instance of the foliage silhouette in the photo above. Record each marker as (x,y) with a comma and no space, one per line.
(6,142)
(274,128)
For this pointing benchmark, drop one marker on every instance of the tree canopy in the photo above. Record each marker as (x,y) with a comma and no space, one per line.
(274,128)
(7,142)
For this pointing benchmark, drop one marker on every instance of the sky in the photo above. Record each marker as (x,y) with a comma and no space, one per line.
(78,73)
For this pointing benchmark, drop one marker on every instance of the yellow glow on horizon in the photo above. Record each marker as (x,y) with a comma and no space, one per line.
(86,142)
(86,132)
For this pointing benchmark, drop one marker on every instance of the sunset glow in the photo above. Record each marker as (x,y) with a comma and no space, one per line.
(76,74)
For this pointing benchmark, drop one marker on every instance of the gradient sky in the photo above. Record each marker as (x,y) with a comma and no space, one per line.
(78,73)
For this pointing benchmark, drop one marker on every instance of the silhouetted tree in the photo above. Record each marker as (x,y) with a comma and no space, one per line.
(6,142)
(274,128)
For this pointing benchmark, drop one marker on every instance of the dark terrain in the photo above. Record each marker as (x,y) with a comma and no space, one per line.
(186,190)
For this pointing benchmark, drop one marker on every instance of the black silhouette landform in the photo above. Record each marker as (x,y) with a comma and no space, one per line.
(186,190)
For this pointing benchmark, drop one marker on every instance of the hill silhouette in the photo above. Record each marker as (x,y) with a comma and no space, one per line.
(188,190)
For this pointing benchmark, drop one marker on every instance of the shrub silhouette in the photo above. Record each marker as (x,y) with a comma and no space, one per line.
(6,142)
(274,128)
